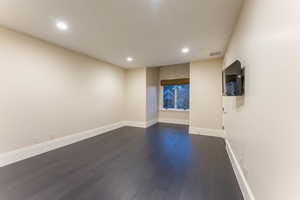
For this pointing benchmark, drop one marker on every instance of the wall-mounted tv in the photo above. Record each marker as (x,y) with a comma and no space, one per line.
(233,80)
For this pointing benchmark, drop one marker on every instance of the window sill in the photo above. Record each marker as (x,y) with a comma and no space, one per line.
(173,110)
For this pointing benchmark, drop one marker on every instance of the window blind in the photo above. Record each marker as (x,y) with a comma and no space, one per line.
(183,81)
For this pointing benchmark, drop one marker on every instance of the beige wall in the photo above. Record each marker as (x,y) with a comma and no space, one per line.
(48,92)
(179,116)
(263,127)
(152,76)
(135,95)
(173,72)
(206,94)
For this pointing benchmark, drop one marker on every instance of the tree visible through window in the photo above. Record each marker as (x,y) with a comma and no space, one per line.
(176,97)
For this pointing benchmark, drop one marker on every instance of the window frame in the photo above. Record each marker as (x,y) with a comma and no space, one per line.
(175,102)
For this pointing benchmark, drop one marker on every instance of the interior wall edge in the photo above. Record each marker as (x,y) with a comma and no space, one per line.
(243,183)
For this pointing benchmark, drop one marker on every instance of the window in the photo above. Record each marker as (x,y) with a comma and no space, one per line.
(176,97)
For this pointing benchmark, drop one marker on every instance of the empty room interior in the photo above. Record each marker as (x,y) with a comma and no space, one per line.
(149,100)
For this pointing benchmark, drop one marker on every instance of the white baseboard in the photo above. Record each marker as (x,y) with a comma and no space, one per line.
(245,188)
(36,149)
(151,123)
(33,150)
(208,132)
(138,124)
(174,121)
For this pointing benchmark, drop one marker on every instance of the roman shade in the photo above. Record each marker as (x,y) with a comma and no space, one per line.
(175,82)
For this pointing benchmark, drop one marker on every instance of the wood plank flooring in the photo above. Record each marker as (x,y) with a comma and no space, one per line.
(162,162)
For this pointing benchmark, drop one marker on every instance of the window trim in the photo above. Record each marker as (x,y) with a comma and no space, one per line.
(174,110)
(161,102)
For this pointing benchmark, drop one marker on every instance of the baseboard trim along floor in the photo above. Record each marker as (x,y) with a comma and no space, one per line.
(207,132)
(245,188)
(140,124)
(127,162)
(37,149)
(174,121)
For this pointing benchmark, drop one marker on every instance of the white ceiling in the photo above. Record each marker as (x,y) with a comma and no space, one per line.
(151,31)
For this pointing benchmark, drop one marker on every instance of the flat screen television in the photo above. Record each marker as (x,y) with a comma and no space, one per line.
(233,80)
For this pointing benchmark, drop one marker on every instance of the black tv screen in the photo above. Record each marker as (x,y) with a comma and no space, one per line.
(233,80)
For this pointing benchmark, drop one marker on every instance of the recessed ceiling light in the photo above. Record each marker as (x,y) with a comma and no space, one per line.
(62,25)
(185,50)
(129,59)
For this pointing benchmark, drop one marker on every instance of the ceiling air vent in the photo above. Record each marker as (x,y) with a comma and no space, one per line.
(218,53)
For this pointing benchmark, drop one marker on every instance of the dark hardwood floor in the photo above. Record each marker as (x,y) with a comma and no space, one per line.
(162,162)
